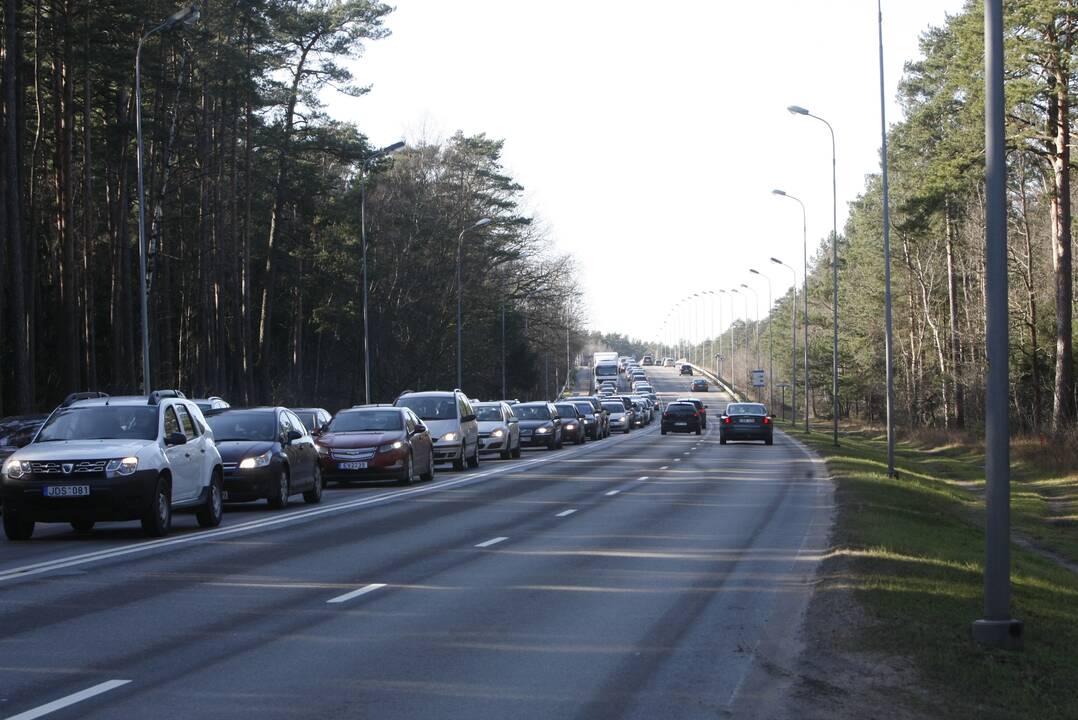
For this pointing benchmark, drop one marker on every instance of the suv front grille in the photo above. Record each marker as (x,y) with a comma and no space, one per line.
(78,467)
(359,454)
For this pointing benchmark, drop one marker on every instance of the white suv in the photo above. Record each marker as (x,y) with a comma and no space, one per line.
(114,458)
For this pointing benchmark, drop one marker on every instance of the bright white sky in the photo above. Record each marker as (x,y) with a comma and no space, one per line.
(649,135)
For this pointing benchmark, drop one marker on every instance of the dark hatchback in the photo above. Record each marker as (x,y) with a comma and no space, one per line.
(540,424)
(314,419)
(266,453)
(574,426)
(681,417)
(746,421)
(376,443)
(700,408)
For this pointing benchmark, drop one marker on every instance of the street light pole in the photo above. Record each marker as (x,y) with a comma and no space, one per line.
(793,339)
(997,628)
(756,326)
(834,268)
(363,172)
(887,325)
(770,343)
(804,293)
(719,303)
(186,16)
(460,294)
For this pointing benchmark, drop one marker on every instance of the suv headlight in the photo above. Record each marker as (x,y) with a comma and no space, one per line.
(498,433)
(122,466)
(542,430)
(256,462)
(390,447)
(450,437)
(570,426)
(15,469)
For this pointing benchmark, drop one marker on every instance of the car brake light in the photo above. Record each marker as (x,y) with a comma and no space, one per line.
(696,414)
(767,420)
(726,420)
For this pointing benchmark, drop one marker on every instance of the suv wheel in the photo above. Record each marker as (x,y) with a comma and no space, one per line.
(279,499)
(473,461)
(429,475)
(314,495)
(16,528)
(157,520)
(458,463)
(209,515)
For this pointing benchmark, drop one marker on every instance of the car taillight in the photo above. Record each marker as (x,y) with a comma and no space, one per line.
(696,414)
(767,420)
(726,420)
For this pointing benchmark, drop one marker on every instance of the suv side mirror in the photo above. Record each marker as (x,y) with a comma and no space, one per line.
(293,435)
(176,438)
(467,418)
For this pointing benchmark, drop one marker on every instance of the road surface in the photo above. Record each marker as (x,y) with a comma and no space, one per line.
(642,576)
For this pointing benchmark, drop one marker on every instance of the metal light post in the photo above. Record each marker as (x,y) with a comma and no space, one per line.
(770,342)
(997,628)
(719,303)
(694,317)
(793,339)
(734,333)
(804,293)
(460,347)
(711,352)
(186,16)
(756,327)
(363,172)
(834,268)
(888,336)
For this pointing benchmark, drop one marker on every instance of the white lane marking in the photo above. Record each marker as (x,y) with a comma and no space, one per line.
(76,560)
(677,459)
(566,513)
(69,700)
(492,541)
(684,453)
(356,593)
(642,477)
(665,467)
(612,493)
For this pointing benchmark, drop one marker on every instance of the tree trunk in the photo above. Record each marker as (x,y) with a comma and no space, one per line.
(1058,125)
(13,206)
(952,308)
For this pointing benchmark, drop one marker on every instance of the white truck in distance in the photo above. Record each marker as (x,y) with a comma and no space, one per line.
(604,366)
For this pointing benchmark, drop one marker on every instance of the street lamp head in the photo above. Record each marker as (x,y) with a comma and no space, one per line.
(754,272)
(480,223)
(184,16)
(777,261)
(776,191)
(797,110)
(744,286)
(390,149)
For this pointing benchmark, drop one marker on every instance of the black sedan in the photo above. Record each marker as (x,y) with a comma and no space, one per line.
(746,421)
(540,424)
(574,427)
(266,453)
(681,417)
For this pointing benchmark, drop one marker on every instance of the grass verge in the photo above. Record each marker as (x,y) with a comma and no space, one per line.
(912,551)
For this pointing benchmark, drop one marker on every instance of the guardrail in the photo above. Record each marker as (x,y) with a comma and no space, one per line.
(729,389)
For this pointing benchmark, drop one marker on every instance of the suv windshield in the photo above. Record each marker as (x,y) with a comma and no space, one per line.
(366,421)
(488,414)
(533,412)
(118,422)
(430,408)
(244,425)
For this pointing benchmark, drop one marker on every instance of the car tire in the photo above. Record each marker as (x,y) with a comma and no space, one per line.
(473,461)
(429,475)
(505,454)
(16,528)
(516,452)
(210,514)
(282,491)
(722,440)
(699,431)
(314,495)
(458,463)
(551,445)
(626,430)
(408,474)
(662,431)
(157,520)
(82,526)
(769,441)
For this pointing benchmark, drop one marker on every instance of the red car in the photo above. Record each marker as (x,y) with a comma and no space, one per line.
(373,443)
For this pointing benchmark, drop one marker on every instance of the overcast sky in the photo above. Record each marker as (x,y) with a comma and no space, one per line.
(648,136)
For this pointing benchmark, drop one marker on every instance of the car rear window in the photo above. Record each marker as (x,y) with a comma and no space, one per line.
(680,409)
(746,409)
(367,421)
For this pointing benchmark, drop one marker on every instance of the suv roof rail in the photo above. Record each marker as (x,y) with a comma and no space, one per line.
(76,396)
(158,395)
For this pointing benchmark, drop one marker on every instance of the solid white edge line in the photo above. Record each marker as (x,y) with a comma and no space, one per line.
(566,513)
(63,563)
(356,593)
(642,477)
(492,541)
(69,700)
(613,492)
(665,467)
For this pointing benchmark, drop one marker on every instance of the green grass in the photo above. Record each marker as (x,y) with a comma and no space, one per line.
(915,548)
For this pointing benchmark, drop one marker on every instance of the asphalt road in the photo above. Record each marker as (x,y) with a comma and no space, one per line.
(642,576)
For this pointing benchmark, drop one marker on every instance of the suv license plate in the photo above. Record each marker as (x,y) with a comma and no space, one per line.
(682,424)
(59,491)
(352,466)
(747,421)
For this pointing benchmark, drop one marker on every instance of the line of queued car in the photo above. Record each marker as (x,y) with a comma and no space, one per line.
(102,458)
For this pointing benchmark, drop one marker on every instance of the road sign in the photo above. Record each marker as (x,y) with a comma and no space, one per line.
(758,378)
